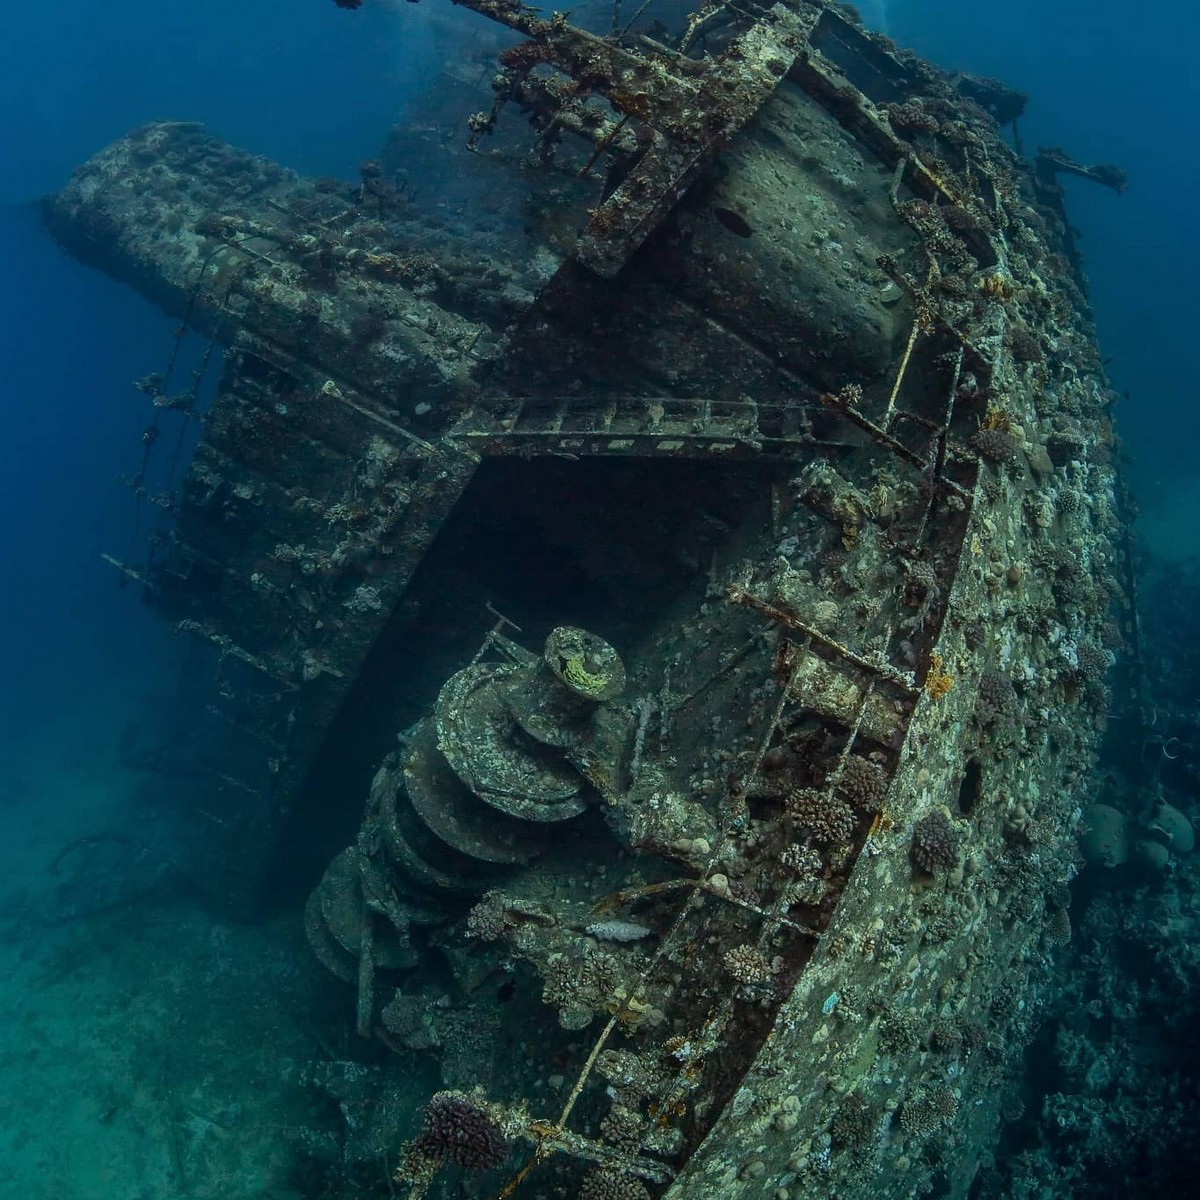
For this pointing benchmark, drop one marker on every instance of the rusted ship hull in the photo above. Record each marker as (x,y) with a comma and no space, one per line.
(819,857)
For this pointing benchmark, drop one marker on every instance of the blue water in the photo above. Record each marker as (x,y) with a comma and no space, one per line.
(316,88)
(306,84)
(1109,87)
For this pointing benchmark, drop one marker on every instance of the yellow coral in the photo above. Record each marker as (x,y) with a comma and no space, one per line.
(576,673)
(997,285)
(938,681)
(880,823)
(998,418)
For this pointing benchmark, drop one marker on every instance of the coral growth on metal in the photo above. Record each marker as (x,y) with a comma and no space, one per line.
(819,808)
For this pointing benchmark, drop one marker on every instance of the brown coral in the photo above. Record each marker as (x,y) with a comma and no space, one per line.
(748,964)
(826,819)
(863,783)
(1058,927)
(961,220)
(488,920)
(1093,663)
(1024,346)
(997,446)
(623,1127)
(580,986)
(899,1031)
(996,706)
(928,1111)
(605,1183)
(911,118)
(803,860)
(934,843)
(854,1122)
(946,1036)
(455,1129)
(922,578)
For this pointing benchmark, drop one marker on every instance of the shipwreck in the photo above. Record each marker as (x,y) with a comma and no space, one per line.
(677,615)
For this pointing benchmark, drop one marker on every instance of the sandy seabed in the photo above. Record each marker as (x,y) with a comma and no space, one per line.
(147,1048)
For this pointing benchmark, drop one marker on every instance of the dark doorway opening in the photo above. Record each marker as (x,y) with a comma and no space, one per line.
(606,544)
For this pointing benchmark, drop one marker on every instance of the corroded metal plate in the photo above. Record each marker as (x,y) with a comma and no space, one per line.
(451,813)
(423,873)
(491,754)
(334,958)
(344,912)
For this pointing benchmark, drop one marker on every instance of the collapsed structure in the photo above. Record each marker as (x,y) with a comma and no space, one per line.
(731,867)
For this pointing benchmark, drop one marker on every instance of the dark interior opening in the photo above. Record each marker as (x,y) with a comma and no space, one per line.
(971,787)
(877,74)
(606,544)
